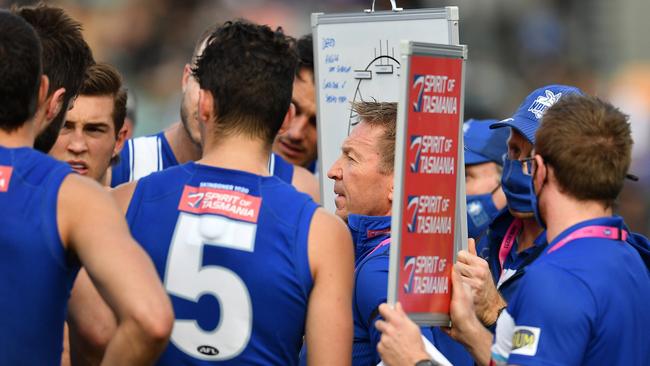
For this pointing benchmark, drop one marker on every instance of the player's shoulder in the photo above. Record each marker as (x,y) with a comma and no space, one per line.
(165,181)
(283,199)
(35,167)
(326,225)
(540,284)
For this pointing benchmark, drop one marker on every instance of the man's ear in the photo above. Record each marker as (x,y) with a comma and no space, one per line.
(206,106)
(119,141)
(291,114)
(54,104)
(42,90)
(187,74)
(390,193)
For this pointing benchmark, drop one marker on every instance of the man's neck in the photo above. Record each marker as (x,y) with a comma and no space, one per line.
(567,211)
(529,232)
(182,145)
(22,137)
(237,153)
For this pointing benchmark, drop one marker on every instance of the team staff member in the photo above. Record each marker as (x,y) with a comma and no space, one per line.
(181,142)
(513,240)
(484,150)
(54,221)
(298,143)
(584,301)
(250,263)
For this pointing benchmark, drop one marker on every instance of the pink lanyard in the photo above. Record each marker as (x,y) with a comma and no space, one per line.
(383,243)
(509,241)
(594,231)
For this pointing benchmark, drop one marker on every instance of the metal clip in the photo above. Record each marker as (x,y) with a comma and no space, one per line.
(392,3)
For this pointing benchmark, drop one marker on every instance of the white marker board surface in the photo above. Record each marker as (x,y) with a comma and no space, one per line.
(357,58)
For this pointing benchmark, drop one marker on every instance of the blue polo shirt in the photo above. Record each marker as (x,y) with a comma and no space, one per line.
(515,263)
(584,303)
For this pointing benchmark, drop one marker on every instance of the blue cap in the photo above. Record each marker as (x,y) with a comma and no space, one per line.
(526,119)
(482,144)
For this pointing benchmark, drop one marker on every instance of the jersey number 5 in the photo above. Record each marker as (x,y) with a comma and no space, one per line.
(186,278)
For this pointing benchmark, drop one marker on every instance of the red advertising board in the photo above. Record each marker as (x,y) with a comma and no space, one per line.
(430,173)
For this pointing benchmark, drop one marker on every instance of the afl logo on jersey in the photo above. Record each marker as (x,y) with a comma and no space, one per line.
(5,177)
(207,350)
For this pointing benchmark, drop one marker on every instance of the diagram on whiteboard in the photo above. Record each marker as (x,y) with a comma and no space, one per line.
(383,65)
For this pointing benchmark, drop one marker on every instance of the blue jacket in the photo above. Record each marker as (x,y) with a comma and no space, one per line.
(370,290)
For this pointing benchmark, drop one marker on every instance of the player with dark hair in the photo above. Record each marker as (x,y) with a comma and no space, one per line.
(298,143)
(181,142)
(250,263)
(54,222)
(66,56)
(92,137)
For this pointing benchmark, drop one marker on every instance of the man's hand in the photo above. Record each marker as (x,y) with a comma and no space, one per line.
(465,326)
(476,273)
(401,340)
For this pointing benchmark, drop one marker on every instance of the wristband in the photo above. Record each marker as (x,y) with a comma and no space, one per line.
(425,362)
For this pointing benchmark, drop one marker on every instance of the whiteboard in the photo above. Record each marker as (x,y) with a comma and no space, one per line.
(357,57)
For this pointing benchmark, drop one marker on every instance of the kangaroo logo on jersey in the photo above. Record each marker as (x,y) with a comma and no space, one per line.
(223,202)
(5,177)
(543,102)
(409,267)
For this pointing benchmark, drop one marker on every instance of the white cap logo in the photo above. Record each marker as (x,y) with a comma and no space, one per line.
(543,102)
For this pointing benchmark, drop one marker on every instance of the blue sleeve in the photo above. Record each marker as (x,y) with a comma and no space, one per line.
(553,313)
(370,291)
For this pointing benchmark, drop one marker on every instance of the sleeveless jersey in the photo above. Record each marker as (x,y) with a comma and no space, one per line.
(231,250)
(35,275)
(144,155)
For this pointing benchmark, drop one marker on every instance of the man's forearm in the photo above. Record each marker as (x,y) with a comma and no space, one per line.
(132,345)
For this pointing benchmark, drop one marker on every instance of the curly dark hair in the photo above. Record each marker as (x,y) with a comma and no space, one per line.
(249,69)
(20,71)
(66,56)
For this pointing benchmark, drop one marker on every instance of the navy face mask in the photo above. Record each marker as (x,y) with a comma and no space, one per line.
(480,213)
(516,186)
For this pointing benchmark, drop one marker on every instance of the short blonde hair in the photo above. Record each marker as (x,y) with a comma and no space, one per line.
(384,115)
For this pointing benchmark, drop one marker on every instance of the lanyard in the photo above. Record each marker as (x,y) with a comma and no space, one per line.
(593,231)
(381,244)
(509,241)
